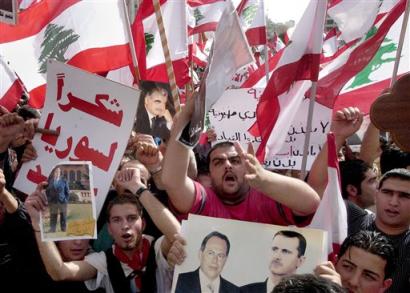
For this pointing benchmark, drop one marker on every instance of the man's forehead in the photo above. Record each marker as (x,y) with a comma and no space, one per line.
(364,259)
(123,210)
(224,152)
(289,242)
(216,242)
(396,184)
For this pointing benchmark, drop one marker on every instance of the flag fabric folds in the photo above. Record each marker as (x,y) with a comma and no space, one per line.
(331,214)
(292,76)
(87,34)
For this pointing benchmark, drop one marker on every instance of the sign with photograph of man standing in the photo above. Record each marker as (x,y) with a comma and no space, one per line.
(219,259)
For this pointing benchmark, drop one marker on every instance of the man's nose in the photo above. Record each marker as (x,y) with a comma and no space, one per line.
(355,279)
(394,200)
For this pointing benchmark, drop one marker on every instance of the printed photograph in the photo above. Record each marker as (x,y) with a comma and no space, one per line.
(71,204)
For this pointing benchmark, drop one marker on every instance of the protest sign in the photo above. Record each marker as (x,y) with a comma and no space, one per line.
(71,203)
(233,114)
(94,118)
(253,255)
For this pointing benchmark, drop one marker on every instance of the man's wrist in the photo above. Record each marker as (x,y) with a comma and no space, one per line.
(140,191)
(155,169)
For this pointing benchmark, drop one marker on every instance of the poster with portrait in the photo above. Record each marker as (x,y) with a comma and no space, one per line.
(229,254)
(71,212)
(8,11)
(155,110)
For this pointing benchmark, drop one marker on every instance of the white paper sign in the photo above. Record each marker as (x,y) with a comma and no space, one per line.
(255,252)
(94,117)
(234,113)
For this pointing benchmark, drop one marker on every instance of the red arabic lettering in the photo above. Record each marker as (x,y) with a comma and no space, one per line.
(85,153)
(36,176)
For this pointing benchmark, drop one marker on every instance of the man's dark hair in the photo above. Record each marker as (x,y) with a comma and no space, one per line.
(220,236)
(352,172)
(307,283)
(392,158)
(402,174)
(374,243)
(124,199)
(293,234)
(217,146)
(27,112)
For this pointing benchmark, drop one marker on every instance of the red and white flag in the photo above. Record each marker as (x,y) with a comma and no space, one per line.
(356,57)
(292,76)
(252,15)
(147,39)
(204,15)
(331,214)
(10,87)
(330,43)
(87,34)
(354,18)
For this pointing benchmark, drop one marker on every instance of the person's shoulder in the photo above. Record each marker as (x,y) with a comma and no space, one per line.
(227,286)
(254,287)
(188,275)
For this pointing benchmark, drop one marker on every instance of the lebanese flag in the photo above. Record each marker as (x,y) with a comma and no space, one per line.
(362,90)
(24,4)
(276,44)
(87,34)
(354,18)
(10,87)
(297,68)
(198,57)
(330,43)
(252,15)
(204,15)
(331,214)
(147,39)
(354,59)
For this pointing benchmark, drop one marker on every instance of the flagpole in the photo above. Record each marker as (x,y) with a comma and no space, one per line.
(312,101)
(266,45)
(167,55)
(308,129)
(131,42)
(400,45)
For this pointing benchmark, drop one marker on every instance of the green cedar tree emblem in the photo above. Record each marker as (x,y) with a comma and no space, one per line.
(388,46)
(55,44)
(149,40)
(249,14)
(198,16)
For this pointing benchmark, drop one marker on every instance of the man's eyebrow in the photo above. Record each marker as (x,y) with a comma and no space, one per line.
(372,273)
(349,262)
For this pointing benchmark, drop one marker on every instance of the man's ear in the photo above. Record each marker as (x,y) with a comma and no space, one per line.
(144,224)
(301,260)
(386,285)
(351,190)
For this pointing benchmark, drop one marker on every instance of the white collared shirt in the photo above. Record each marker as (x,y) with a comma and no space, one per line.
(269,286)
(205,283)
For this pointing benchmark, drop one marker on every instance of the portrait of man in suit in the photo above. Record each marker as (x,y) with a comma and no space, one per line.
(213,254)
(155,110)
(287,255)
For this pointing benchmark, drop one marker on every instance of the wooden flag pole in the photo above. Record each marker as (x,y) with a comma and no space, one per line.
(131,43)
(167,55)
(400,45)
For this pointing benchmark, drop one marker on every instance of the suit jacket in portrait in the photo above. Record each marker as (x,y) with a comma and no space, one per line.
(189,283)
(260,287)
(58,191)
(143,125)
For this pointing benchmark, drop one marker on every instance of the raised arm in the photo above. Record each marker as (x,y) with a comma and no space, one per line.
(162,217)
(370,148)
(291,192)
(344,124)
(55,266)
(179,186)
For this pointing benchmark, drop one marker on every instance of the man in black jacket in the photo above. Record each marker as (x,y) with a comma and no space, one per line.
(213,254)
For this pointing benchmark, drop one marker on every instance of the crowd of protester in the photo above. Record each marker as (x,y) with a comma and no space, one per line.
(139,239)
